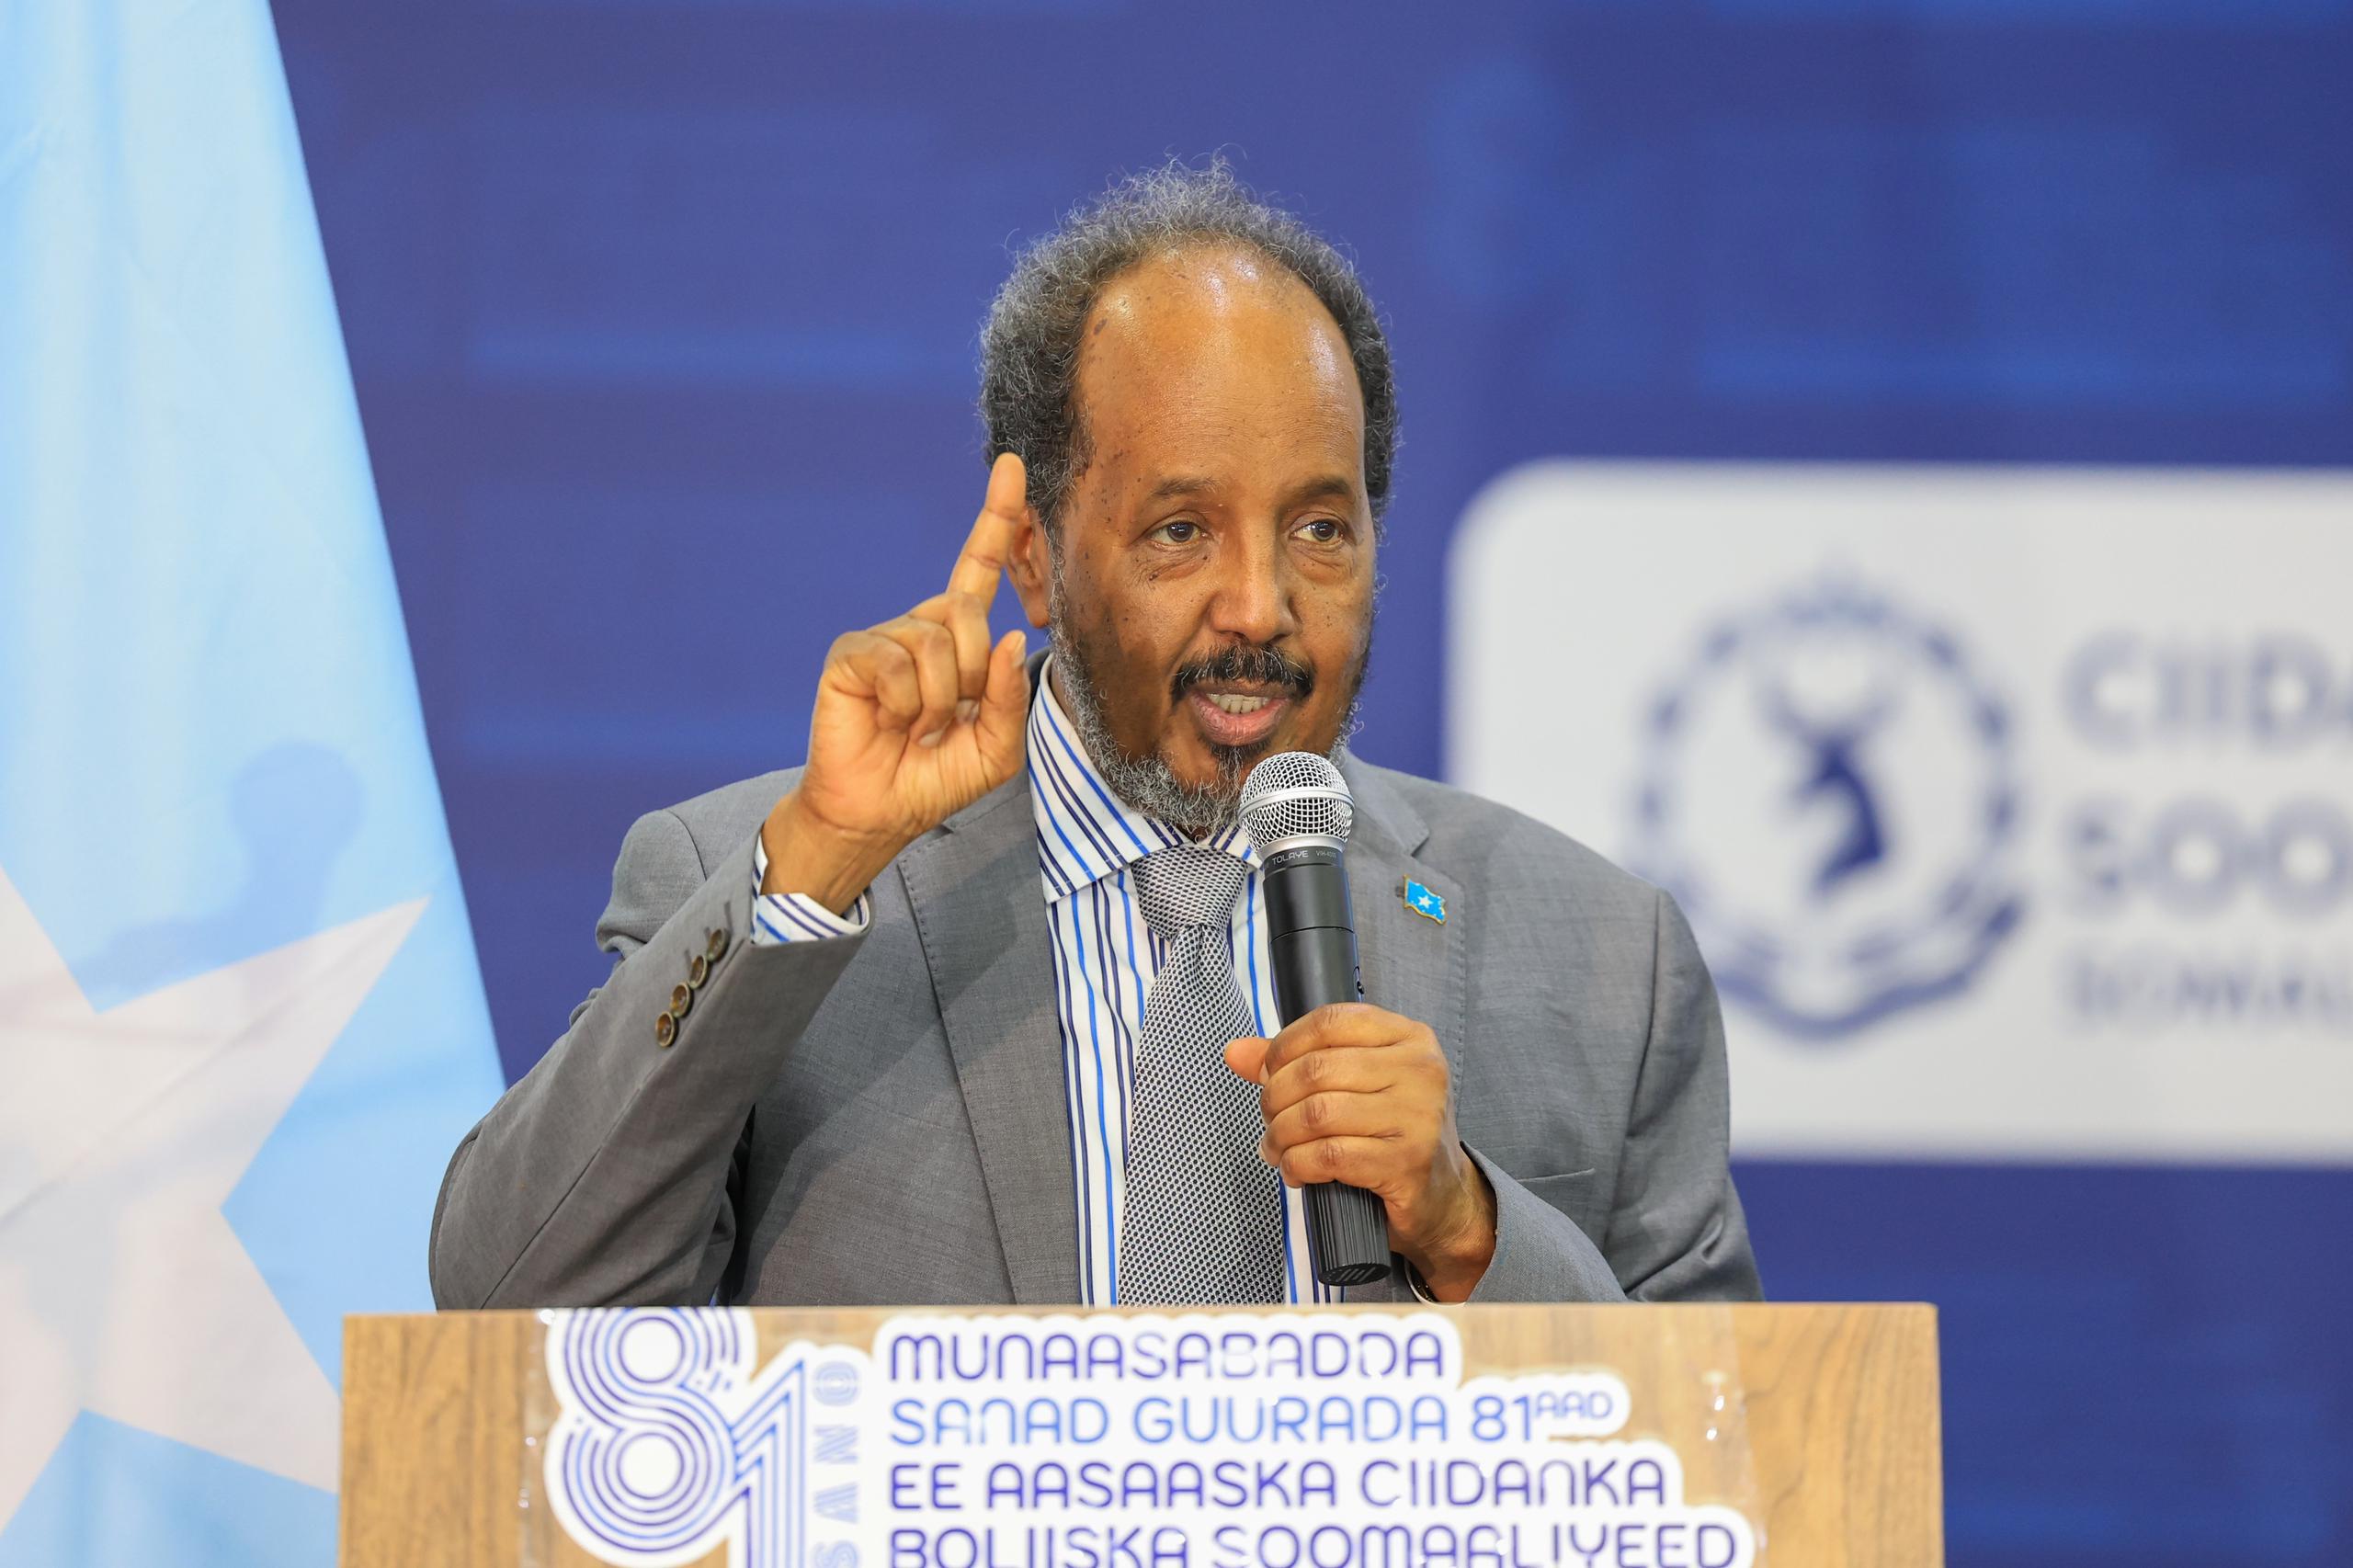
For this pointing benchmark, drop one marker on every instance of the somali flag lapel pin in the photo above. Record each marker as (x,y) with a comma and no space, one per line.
(1421,901)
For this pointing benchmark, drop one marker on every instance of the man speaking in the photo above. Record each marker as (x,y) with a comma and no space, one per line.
(976,1006)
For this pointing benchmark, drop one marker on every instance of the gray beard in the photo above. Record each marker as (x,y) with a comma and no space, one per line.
(1146,783)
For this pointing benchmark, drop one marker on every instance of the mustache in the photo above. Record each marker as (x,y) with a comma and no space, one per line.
(1247,665)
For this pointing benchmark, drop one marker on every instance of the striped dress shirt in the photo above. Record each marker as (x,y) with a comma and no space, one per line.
(1105,960)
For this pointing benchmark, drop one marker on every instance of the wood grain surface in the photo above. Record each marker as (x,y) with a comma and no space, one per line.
(1819,1423)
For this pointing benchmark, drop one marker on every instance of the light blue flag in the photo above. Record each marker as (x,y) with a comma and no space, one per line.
(241,1026)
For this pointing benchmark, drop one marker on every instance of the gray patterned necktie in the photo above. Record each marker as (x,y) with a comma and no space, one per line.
(1203,1221)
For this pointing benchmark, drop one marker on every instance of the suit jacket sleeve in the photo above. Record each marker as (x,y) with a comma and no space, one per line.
(1675,1230)
(603,1177)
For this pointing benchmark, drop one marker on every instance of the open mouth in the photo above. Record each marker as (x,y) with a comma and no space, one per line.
(1237,698)
(1232,718)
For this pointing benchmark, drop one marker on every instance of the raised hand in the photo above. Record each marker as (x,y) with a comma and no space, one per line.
(916,719)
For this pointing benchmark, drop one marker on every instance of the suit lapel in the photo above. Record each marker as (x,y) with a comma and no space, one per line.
(982,917)
(1410,963)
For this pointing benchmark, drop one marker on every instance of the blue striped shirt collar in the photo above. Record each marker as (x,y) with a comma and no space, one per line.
(1084,832)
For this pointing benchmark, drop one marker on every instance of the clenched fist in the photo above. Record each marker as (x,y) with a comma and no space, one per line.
(916,719)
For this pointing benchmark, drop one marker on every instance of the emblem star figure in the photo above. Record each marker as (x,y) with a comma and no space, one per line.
(123,1290)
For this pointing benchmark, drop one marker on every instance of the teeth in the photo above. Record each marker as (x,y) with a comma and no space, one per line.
(1238,704)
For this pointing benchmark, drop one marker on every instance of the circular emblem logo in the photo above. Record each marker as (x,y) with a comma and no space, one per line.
(1829,789)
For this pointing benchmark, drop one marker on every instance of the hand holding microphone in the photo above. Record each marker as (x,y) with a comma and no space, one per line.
(1359,1101)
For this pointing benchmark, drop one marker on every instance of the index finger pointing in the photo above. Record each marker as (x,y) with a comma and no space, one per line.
(989,545)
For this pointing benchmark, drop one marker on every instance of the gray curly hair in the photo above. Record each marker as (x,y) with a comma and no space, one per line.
(1029,347)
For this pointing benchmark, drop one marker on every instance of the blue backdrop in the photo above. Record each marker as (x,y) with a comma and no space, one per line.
(662,317)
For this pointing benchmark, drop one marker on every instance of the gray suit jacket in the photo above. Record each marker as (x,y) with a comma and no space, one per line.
(880,1118)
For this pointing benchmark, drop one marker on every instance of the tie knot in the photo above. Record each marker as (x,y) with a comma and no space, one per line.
(1186,885)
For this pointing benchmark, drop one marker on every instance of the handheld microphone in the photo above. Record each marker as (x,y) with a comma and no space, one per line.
(1297,809)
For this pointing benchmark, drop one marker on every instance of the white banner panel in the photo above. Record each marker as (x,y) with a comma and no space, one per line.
(2013,806)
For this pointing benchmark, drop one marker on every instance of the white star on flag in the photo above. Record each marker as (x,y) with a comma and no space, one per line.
(123,1290)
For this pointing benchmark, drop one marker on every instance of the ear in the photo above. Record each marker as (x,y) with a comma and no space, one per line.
(1032,566)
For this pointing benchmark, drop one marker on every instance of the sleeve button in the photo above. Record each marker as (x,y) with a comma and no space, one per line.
(666,1029)
(714,946)
(681,998)
(698,971)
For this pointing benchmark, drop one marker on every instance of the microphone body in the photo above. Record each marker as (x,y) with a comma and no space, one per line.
(1312,942)
(1310,930)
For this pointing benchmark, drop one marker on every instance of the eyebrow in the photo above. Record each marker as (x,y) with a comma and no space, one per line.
(1321,486)
(1178,484)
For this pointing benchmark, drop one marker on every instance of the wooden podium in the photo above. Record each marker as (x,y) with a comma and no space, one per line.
(1817,1425)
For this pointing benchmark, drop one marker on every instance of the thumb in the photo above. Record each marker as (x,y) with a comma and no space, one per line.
(1005,700)
(1247,1058)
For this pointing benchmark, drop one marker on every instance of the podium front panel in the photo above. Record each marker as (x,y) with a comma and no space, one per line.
(1502,1437)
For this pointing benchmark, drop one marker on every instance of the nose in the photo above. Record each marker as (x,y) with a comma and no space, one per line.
(1253,600)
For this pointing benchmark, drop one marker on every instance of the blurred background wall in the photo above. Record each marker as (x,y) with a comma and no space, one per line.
(663,320)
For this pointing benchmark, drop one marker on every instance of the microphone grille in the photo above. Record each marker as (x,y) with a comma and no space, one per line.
(1296,794)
